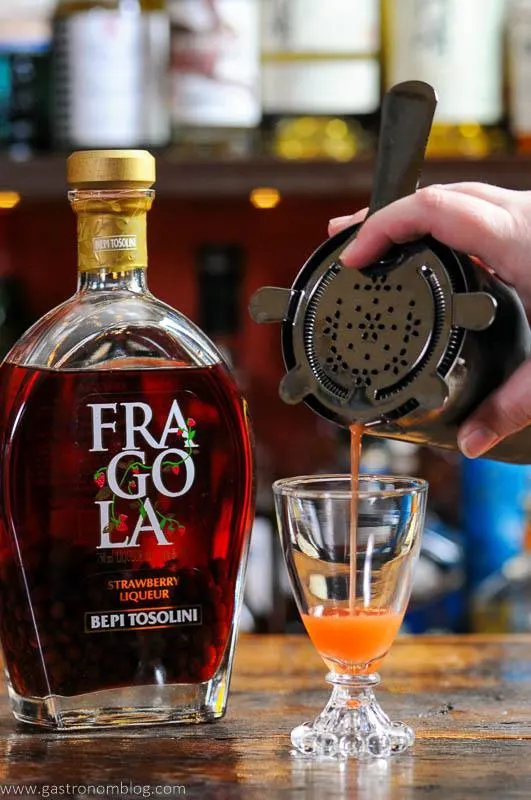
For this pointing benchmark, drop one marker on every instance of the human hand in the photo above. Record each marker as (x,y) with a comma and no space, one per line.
(486,221)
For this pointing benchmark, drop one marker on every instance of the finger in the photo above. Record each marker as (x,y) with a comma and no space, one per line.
(466,223)
(486,191)
(338,224)
(505,411)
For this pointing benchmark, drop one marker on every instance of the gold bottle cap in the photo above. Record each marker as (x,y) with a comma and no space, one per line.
(111,169)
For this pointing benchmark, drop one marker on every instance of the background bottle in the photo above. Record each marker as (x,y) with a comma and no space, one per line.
(110,73)
(438,597)
(24,78)
(493,503)
(457,47)
(519,64)
(215,76)
(15,314)
(220,272)
(502,602)
(320,76)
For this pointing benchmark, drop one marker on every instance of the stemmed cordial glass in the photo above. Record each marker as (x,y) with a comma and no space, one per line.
(352,610)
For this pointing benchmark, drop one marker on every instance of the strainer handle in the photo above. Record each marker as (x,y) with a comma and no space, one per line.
(407,115)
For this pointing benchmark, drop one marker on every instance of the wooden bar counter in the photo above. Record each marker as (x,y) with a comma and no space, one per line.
(468,699)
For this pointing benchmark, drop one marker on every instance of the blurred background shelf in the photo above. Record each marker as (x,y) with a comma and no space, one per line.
(241,101)
(44,177)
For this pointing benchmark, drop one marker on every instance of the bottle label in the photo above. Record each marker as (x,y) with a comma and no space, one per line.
(135,620)
(113,243)
(520,69)
(215,63)
(129,476)
(110,89)
(454,46)
(312,64)
(139,469)
(109,240)
(131,495)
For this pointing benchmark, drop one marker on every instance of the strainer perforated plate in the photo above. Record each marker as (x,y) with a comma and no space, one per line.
(374,344)
(370,339)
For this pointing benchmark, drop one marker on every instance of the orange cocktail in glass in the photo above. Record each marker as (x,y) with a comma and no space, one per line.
(350,548)
(352,641)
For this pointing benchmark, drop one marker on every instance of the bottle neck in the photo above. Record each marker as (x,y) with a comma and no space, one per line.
(133,280)
(112,238)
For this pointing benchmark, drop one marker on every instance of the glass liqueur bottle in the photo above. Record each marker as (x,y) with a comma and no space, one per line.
(126,494)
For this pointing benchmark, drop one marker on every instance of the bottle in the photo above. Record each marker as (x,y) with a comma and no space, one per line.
(220,273)
(110,73)
(24,79)
(437,601)
(519,64)
(438,596)
(215,76)
(502,602)
(320,76)
(493,507)
(15,314)
(127,491)
(220,269)
(457,47)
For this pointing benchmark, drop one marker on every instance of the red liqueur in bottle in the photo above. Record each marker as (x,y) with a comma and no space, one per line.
(126,492)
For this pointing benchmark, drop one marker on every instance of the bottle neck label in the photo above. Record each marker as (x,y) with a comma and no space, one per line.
(111,240)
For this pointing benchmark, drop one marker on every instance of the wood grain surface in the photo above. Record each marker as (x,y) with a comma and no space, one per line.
(468,699)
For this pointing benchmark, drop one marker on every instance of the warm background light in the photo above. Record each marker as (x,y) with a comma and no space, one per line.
(9,199)
(265,197)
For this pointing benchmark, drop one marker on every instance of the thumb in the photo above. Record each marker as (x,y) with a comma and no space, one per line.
(505,411)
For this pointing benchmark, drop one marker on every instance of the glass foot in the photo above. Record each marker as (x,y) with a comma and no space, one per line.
(352,725)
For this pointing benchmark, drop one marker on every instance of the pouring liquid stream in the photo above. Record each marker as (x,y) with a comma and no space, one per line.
(356,434)
(353,640)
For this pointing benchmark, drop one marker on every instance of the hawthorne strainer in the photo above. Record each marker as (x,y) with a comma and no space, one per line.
(411,344)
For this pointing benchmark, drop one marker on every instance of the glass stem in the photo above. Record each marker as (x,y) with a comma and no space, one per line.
(357,682)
